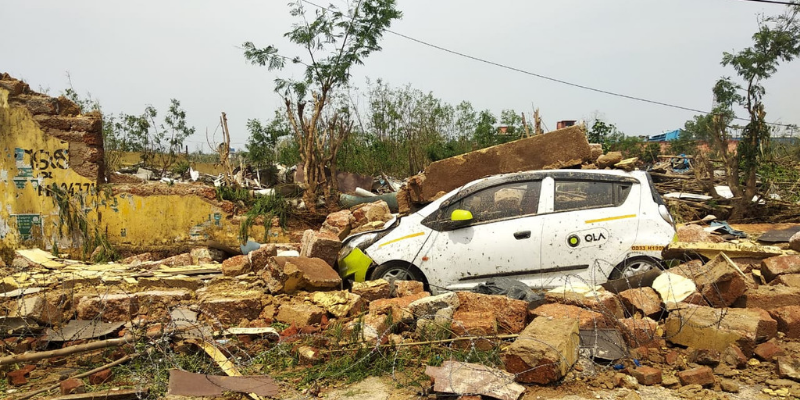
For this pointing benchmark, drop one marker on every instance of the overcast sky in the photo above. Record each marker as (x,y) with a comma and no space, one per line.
(134,53)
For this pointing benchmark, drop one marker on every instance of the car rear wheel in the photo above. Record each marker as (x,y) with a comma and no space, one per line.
(398,271)
(634,266)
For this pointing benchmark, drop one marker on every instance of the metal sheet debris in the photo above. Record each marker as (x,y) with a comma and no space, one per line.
(12,326)
(82,329)
(606,344)
(465,378)
(779,235)
(185,321)
(182,383)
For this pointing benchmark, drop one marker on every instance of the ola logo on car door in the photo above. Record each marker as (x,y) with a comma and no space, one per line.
(589,237)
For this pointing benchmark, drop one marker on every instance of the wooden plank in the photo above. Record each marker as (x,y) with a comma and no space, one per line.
(223,362)
(122,394)
(732,250)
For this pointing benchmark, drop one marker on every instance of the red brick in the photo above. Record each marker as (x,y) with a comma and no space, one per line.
(767,351)
(100,377)
(791,280)
(733,356)
(396,305)
(788,319)
(647,375)
(72,386)
(17,377)
(702,376)
(780,265)
(671,357)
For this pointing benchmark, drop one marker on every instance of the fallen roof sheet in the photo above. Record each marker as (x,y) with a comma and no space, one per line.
(82,329)
(182,383)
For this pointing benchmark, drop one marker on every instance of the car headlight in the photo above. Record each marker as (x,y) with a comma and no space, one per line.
(361,242)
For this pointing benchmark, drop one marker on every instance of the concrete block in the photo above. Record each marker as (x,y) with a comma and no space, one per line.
(545,350)
(711,328)
(520,155)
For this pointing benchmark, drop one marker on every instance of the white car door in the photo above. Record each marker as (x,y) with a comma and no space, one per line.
(590,223)
(501,240)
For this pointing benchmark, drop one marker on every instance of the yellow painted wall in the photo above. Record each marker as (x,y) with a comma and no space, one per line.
(29,217)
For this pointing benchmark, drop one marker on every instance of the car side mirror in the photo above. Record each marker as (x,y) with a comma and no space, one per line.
(458,219)
(461,215)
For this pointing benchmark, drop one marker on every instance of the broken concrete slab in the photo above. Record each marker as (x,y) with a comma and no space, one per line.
(521,155)
(474,379)
(545,350)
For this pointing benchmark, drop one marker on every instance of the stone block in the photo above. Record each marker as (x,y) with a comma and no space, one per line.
(369,328)
(644,301)
(109,307)
(157,303)
(232,310)
(647,375)
(180,260)
(768,351)
(520,155)
(544,351)
(300,314)
(339,223)
(789,367)
(236,265)
(511,314)
(397,306)
(44,309)
(719,282)
(642,332)
(709,357)
(171,282)
(469,323)
(794,242)
(407,288)
(772,267)
(372,290)
(788,319)
(770,297)
(289,274)
(427,307)
(711,328)
(601,301)
(137,259)
(339,304)
(703,376)
(206,255)
(259,258)
(325,246)
(587,319)
(608,159)
(72,386)
(733,357)
(370,212)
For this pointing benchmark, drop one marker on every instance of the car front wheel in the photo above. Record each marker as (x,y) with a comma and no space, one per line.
(635,266)
(399,271)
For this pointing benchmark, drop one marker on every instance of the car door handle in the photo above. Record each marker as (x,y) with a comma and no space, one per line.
(522,235)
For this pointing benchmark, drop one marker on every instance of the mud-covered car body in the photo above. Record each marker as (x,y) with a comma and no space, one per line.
(544,228)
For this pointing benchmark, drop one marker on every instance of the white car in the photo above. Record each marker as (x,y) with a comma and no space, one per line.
(544,228)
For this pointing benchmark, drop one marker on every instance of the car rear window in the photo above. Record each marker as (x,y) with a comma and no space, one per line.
(579,195)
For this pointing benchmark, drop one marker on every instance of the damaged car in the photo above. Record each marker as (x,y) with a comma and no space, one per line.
(544,228)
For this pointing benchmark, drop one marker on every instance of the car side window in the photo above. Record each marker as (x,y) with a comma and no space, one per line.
(499,202)
(579,195)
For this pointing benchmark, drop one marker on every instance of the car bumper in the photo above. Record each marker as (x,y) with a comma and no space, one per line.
(355,264)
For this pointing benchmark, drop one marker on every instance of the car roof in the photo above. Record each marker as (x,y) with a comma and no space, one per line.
(574,174)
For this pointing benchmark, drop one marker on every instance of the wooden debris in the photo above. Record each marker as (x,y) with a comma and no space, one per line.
(711,250)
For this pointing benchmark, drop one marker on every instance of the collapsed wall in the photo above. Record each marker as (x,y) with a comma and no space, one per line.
(561,148)
(47,141)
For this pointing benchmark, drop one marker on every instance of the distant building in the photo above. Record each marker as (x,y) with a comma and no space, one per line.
(666,136)
(565,123)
